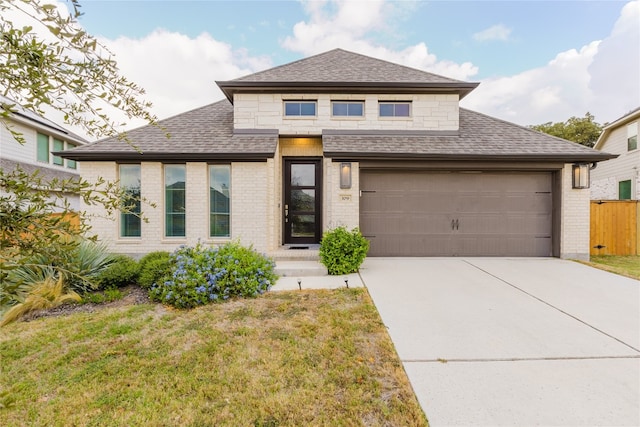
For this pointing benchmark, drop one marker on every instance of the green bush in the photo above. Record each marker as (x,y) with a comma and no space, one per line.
(202,275)
(343,251)
(123,271)
(154,267)
(79,266)
(108,295)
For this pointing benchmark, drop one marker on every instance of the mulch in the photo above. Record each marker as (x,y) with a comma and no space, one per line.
(133,295)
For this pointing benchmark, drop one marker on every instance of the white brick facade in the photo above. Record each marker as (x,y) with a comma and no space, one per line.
(575,219)
(266,111)
(250,190)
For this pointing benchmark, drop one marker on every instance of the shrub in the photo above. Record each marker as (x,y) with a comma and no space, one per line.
(154,267)
(343,251)
(50,292)
(108,295)
(79,267)
(122,272)
(202,275)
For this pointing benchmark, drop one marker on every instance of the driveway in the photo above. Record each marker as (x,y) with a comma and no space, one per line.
(528,341)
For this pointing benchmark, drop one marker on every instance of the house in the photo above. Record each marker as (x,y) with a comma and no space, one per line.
(618,179)
(342,139)
(40,137)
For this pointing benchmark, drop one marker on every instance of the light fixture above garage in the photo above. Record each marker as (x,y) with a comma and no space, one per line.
(581,176)
(345,175)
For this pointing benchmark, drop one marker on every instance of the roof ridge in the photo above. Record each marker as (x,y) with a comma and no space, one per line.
(286,64)
(400,65)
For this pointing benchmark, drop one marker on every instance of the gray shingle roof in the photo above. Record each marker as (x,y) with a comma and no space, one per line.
(205,133)
(340,69)
(47,174)
(480,137)
(17,111)
(339,65)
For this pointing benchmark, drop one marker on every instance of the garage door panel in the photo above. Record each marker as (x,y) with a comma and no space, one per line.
(420,213)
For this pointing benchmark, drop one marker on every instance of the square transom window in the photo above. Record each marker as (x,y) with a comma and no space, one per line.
(395,109)
(299,108)
(347,109)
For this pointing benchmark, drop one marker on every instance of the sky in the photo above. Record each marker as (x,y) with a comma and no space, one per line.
(536,61)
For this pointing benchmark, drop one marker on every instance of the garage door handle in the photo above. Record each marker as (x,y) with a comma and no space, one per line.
(457,224)
(453,224)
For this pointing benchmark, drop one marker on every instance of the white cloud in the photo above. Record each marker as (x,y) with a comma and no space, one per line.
(351,25)
(602,78)
(496,32)
(179,72)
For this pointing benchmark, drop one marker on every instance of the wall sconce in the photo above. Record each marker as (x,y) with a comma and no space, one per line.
(345,175)
(581,176)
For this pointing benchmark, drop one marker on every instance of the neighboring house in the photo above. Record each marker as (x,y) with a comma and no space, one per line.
(342,139)
(41,137)
(618,179)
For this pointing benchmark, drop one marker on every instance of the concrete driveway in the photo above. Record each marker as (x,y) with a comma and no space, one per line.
(533,341)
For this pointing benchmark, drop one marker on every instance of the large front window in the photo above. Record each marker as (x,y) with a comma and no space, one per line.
(130,215)
(219,198)
(175,200)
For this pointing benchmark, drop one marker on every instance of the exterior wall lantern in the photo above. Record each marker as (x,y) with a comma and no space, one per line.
(581,176)
(345,175)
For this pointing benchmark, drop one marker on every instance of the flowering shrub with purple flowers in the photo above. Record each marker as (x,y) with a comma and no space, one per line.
(202,275)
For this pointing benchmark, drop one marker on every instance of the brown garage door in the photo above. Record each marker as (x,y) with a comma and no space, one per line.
(419,213)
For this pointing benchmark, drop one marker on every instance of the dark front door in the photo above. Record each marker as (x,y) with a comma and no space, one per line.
(302,201)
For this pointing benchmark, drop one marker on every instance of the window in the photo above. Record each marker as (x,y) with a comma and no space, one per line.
(299,108)
(175,200)
(71,164)
(130,183)
(58,146)
(219,196)
(43,148)
(632,136)
(624,190)
(395,109)
(348,109)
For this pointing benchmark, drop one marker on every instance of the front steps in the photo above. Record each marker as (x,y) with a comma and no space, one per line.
(293,262)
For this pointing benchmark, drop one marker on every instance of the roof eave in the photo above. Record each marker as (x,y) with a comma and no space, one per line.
(149,156)
(231,87)
(564,158)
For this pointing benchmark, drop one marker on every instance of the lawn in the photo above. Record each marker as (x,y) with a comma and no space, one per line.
(624,265)
(283,359)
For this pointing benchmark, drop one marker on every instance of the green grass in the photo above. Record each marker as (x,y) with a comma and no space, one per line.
(624,265)
(284,359)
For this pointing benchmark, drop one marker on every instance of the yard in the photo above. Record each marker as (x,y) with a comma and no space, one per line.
(285,358)
(624,265)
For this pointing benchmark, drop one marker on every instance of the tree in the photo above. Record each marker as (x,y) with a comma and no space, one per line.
(583,130)
(55,63)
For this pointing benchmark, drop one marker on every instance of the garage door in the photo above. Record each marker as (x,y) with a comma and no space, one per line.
(419,213)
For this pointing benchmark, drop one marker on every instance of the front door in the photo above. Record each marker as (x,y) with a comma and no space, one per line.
(302,200)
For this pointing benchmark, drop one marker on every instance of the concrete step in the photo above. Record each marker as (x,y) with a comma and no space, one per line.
(286,254)
(299,268)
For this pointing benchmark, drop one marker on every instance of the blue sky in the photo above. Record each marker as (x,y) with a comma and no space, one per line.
(537,30)
(536,61)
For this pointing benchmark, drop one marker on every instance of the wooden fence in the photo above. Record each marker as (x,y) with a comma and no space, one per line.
(615,227)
